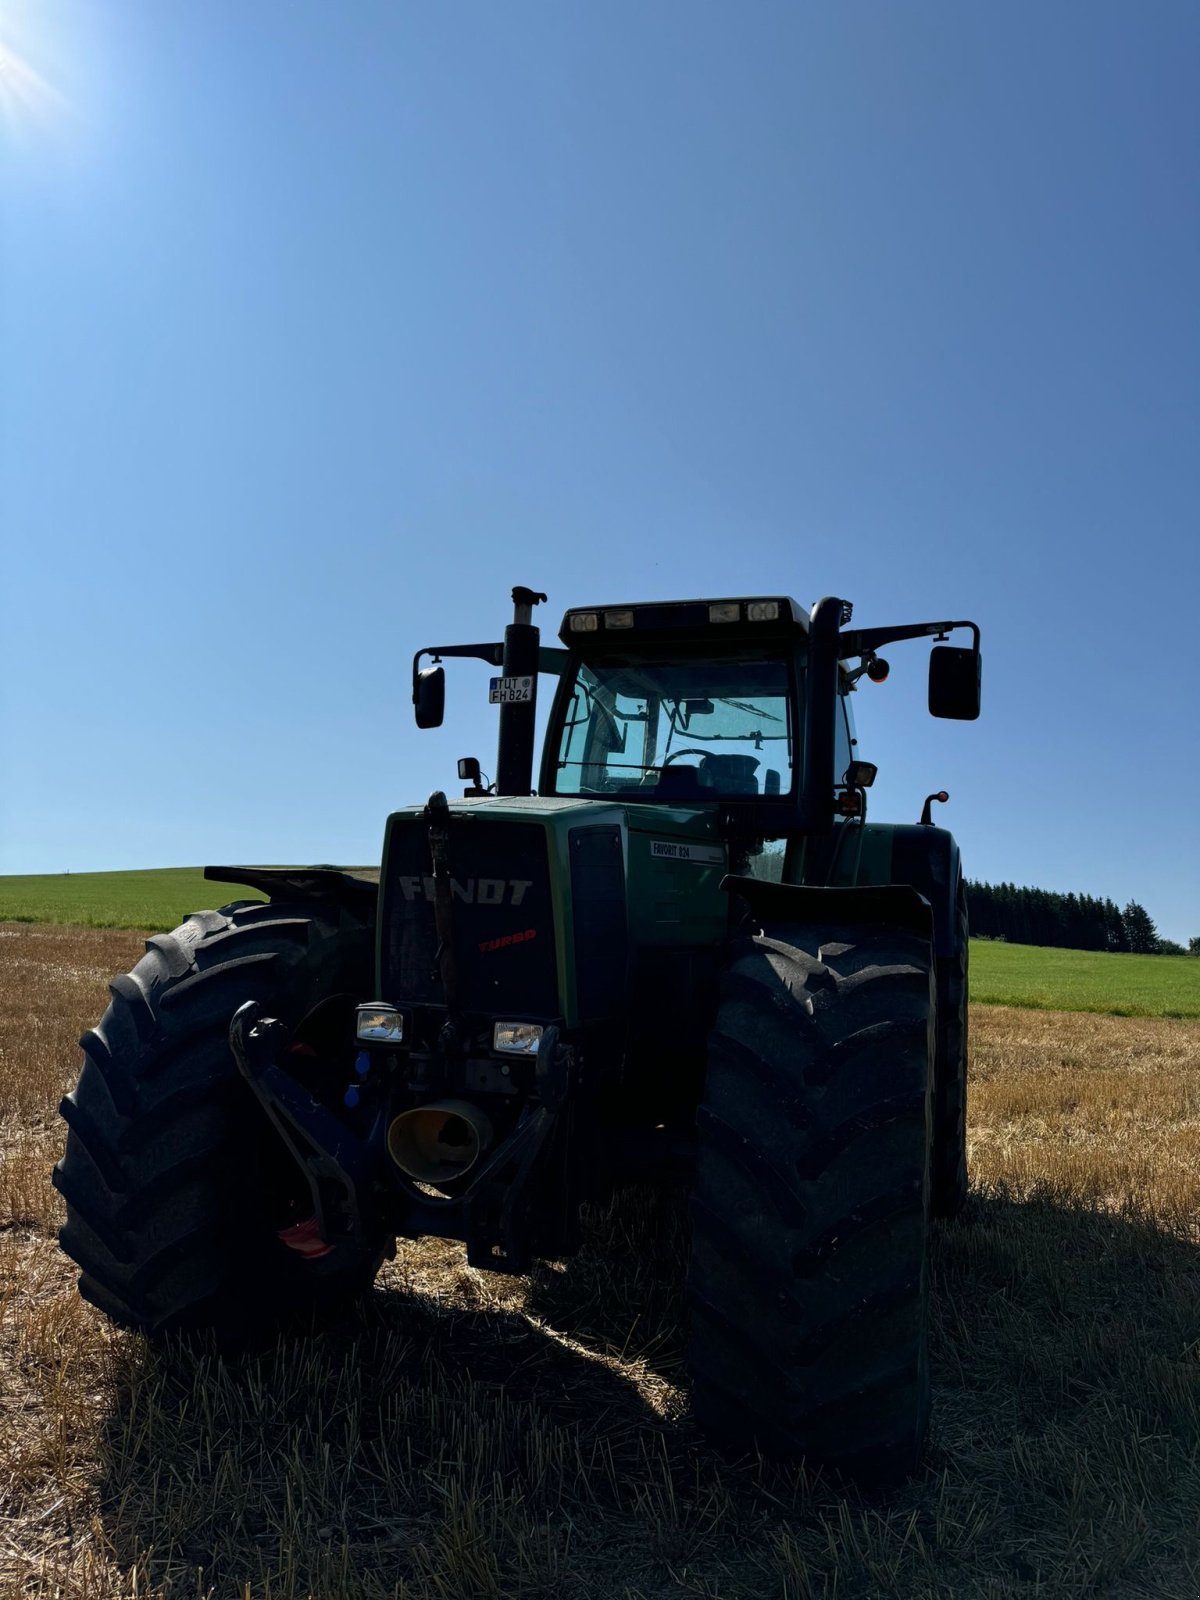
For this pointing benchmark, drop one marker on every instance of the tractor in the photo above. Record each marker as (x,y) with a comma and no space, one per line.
(685,956)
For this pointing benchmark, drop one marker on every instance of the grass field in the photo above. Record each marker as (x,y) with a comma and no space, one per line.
(154,900)
(1084,980)
(478,1436)
(1001,974)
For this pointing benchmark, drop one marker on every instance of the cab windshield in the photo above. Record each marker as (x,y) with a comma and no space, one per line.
(678,730)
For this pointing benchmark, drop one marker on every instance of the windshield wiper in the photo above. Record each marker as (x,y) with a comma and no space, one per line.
(752,711)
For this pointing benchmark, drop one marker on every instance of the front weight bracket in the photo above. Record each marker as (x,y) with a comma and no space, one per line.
(336,1163)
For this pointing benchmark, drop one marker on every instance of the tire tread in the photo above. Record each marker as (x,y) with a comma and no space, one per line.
(160,1165)
(808,1285)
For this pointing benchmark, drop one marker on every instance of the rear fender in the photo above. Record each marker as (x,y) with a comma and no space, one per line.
(892,854)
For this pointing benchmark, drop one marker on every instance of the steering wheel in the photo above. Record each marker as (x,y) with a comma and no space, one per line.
(667,760)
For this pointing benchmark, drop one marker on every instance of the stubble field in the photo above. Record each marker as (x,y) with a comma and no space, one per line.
(479,1436)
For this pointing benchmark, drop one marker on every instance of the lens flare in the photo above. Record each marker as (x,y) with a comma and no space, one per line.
(24,94)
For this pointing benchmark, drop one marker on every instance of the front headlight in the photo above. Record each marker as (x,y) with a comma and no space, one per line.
(376,1023)
(517,1038)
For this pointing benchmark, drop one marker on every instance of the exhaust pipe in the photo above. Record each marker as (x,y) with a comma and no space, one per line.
(439,1142)
(518,720)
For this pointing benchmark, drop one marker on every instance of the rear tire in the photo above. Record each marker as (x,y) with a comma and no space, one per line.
(948,1188)
(808,1287)
(175,1182)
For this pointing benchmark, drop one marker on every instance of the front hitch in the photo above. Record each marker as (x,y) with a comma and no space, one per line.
(337,1165)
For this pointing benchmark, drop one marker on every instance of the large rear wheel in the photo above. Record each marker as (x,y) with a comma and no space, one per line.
(808,1286)
(184,1210)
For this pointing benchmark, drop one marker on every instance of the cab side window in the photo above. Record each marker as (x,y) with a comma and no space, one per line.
(843,751)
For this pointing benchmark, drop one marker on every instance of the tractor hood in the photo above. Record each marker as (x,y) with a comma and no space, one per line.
(548,895)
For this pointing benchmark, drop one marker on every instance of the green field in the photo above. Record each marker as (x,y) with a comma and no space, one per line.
(1001,974)
(1084,980)
(155,899)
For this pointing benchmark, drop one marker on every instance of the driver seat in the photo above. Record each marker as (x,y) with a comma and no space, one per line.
(730,774)
(683,783)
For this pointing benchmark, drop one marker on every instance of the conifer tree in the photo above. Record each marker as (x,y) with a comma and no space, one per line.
(1140,929)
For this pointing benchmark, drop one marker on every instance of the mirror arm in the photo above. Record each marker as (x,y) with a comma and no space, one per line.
(491,653)
(862,641)
(550,659)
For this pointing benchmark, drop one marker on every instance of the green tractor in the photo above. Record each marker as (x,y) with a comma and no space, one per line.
(687,955)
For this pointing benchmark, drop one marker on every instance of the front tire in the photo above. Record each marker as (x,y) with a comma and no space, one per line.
(808,1286)
(177,1187)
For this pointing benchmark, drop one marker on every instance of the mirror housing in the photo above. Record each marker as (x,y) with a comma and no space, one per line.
(955,676)
(468,770)
(429,697)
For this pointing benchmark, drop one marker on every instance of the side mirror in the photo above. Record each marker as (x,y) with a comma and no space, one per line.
(429,697)
(954,682)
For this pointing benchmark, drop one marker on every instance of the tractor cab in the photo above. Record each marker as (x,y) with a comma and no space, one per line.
(666,727)
(740,703)
(695,701)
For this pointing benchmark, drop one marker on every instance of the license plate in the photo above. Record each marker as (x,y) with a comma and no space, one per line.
(511,691)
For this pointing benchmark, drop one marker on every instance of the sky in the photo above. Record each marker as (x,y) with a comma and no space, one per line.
(322,326)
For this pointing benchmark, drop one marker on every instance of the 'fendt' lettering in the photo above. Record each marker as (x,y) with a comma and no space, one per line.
(474,892)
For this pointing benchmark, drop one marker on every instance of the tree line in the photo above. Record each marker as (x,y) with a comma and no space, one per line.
(1069,921)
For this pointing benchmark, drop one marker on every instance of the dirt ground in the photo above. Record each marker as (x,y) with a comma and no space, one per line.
(472,1435)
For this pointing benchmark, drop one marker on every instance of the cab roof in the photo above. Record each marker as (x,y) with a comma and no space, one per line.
(741,617)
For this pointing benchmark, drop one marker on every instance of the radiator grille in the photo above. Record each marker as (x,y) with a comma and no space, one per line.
(503,918)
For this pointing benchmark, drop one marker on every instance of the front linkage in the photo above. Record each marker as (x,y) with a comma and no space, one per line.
(355,1189)
(371,1164)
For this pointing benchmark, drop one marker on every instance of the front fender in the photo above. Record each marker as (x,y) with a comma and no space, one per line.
(895,905)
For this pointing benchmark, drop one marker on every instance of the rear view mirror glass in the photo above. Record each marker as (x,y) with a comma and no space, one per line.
(954,681)
(429,697)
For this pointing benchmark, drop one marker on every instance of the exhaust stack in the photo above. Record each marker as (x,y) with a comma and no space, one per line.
(439,1142)
(518,720)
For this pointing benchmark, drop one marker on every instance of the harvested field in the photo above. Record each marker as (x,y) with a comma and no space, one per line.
(480,1436)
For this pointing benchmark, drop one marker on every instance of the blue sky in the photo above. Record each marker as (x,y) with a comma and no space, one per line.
(321,326)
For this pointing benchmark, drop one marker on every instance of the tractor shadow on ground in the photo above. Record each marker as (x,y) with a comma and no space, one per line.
(416,1442)
(621,1296)
(448,1449)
